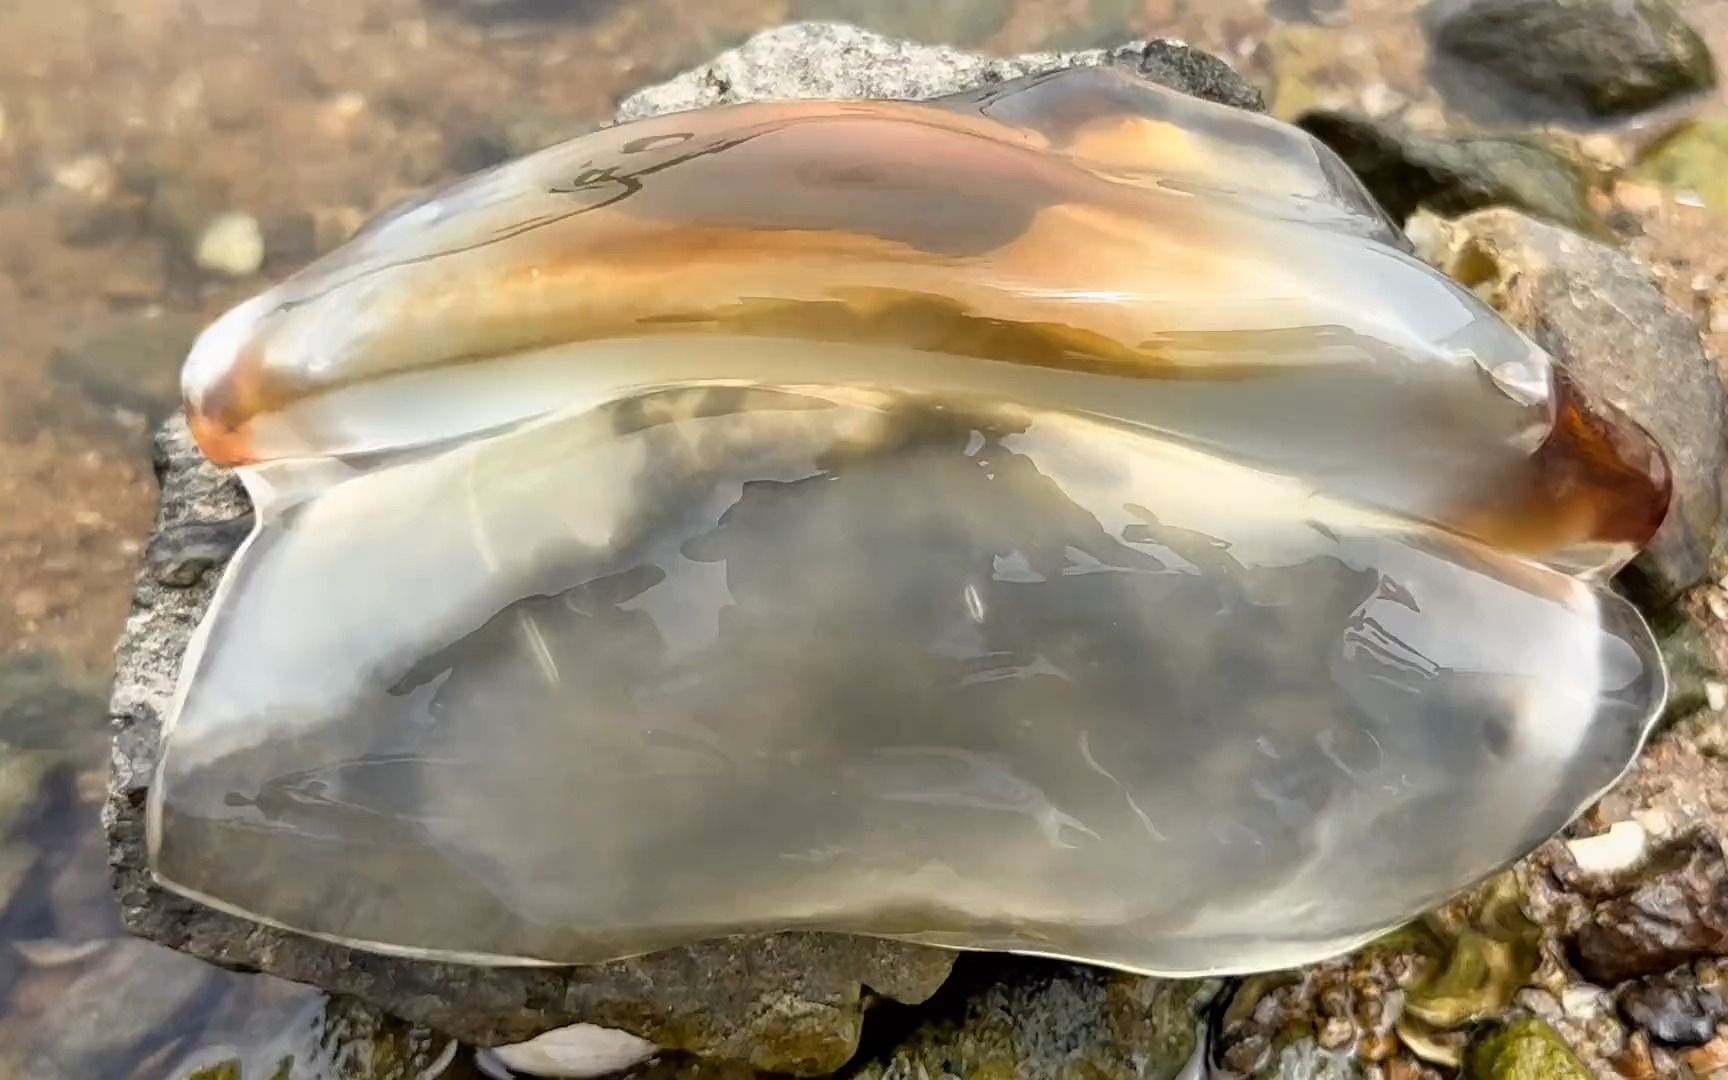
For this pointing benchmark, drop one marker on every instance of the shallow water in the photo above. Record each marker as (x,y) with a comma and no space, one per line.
(126,130)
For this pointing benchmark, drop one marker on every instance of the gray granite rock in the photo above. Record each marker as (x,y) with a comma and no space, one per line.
(1600,313)
(789,1002)
(833,60)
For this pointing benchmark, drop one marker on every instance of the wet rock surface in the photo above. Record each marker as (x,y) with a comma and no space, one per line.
(1602,316)
(1571,57)
(1675,911)
(790,1002)
(1407,170)
(1672,1009)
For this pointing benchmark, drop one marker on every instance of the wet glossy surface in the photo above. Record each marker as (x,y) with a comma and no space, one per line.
(1085,240)
(1060,520)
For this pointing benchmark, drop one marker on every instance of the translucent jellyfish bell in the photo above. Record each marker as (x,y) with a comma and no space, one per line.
(1060,519)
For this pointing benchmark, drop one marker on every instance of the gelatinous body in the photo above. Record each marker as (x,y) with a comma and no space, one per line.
(1059,519)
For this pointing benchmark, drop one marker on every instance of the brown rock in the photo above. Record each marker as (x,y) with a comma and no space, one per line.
(1672,911)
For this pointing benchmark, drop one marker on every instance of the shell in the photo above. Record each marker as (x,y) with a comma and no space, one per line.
(1061,518)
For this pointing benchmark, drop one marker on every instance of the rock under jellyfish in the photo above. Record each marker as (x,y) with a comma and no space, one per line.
(1060,518)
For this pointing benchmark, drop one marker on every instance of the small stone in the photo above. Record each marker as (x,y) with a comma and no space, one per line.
(1640,198)
(1657,824)
(1590,57)
(1581,1001)
(1719,316)
(1617,849)
(1671,911)
(91,176)
(348,104)
(1710,1057)
(1436,1047)
(1336,1032)
(1716,695)
(1525,1050)
(1603,149)
(1634,1061)
(576,1050)
(1379,99)
(1673,1008)
(232,244)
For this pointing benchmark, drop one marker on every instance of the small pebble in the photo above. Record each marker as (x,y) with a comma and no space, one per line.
(1618,848)
(1605,149)
(1583,1002)
(1379,100)
(1717,603)
(1337,1032)
(1716,695)
(30,603)
(1710,1057)
(576,1050)
(232,244)
(92,176)
(1638,198)
(1657,822)
(1719,317)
